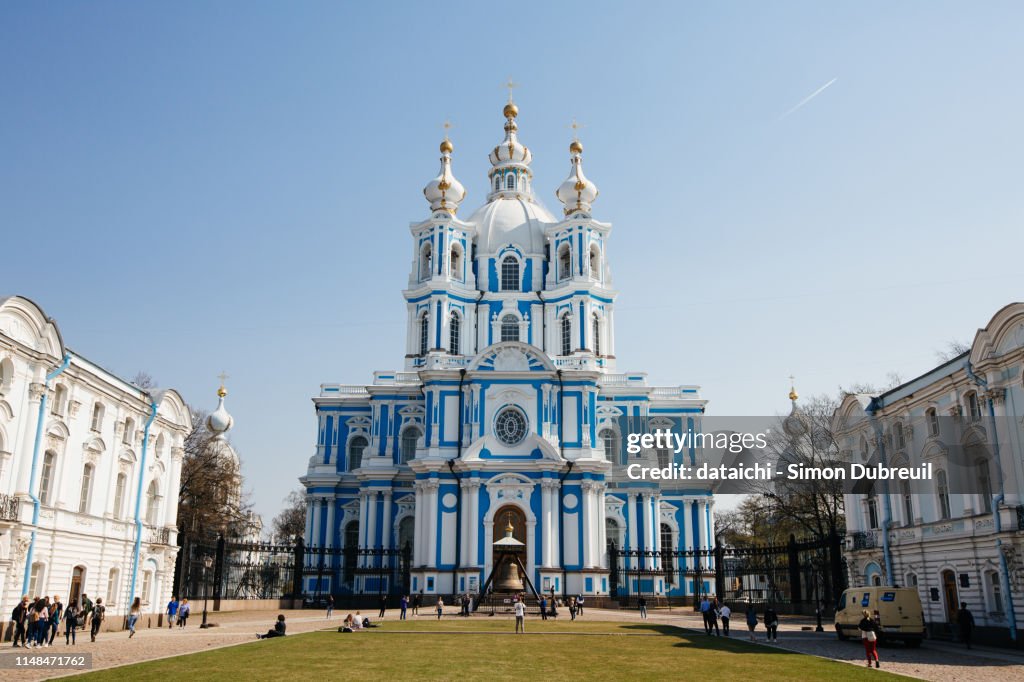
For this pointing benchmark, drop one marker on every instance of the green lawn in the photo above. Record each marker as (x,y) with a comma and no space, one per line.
(484,648)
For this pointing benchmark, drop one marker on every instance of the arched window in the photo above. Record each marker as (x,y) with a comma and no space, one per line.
(147,585)
(908,503)
(595,262)
(410,437)
(86,491)
(610,440)
(596,322)
(942,491)
(871,505)
(454,334)
(35,580)
(510,181)
(6,374)
(933,421)
(509,328)
(994,589)
(984,484)
(60,400)
(564,262)
(46,479)
(565,330)
(152,504)
(666,553)
(664,457)
(509,274)
(424,333)
(129,431)
(426,262)
(355,452)
(97,417)
(406,534)
(901,439)
(455,263)
(973,407)
(497,183)
(113,581)
(864,448)
(119,489)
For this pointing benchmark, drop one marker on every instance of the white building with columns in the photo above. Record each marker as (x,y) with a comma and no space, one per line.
(85,476)
(509,409)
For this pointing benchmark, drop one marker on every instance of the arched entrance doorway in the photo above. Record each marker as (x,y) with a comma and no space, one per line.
(949,591)
(75,591)
(502,518)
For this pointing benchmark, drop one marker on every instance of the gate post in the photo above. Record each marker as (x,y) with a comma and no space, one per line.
(719,571)
(297,567)
(836,563)
(795,595)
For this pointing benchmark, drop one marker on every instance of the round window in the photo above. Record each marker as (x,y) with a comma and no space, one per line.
(510,426)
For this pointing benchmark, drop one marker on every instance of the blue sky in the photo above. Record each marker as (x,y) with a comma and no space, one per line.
(191,187)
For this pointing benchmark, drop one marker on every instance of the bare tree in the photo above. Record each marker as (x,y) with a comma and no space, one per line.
(291,522)
(144,380)
(210,499)
(953,349)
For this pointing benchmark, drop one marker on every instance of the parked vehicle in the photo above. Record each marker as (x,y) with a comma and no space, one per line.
(898,610)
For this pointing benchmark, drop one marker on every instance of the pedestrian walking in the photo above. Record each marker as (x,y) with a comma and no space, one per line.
(98,614)
(869,635)
(383,605)
(726,613)
(579,605)
(965,623)
(330,605)
(751,621)
(403,604)
(40,623)
(70,623)
(771,623)
(172,611)
(87,608)
(440,607)
(572,608)
(133,616)
(417,601)
(705,608)
(520,609)
(183,610)
(713,618)
(56,613)
(543,607)
(642,603)
(20,617)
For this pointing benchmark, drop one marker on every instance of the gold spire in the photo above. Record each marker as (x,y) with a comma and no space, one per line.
(509,528)
(446,144)
(575,147)
(510,110)
(223,377)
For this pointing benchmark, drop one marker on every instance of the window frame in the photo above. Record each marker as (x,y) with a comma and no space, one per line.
(510,274)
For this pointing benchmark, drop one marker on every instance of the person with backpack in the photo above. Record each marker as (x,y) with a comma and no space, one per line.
(751,621)
(86,611)
(98,613)
(771,623)
(70,623)
(869,635)
(56,612)
(20,617)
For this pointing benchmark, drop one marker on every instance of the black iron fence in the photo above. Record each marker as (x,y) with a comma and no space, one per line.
(217,568)
(801,575)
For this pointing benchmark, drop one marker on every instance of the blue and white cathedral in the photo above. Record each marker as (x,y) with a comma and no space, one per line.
(509,410)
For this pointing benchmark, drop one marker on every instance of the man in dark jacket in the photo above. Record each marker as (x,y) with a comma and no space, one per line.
(19,615)
(965,622)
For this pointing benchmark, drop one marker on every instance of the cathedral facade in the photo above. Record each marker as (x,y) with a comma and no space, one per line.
(509,410)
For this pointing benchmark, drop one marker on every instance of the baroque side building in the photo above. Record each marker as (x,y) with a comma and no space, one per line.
(89,464)
(509,410)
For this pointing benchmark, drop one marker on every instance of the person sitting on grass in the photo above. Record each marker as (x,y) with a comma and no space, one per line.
(277,631)
(347,625)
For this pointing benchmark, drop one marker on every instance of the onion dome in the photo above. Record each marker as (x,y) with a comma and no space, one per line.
(219,422)
(576,193)
(444,192)
(510,173)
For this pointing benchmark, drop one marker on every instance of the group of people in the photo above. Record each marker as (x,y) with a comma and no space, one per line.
(177,612)
(36,621)
(712,611)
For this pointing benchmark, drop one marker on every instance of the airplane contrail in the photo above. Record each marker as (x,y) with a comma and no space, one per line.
(809,97)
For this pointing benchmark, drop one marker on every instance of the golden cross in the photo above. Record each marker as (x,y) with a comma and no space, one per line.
(510,85)
(447,125)
(223,376)
(575,125)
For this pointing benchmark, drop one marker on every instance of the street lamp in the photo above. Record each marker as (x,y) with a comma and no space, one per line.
(207,563)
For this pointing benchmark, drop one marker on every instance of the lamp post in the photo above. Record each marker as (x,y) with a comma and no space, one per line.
(207,563)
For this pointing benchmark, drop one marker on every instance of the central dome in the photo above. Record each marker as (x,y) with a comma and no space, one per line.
(511,220)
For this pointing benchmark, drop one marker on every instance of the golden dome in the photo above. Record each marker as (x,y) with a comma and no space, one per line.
(576,147)
(793,395)
(222,391)
(510,110)
(446,146)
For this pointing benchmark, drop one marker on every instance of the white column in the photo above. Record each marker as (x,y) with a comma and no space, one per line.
(474,521)
(432,487)
(35,392)
(386,529)
(701,528)
(371,521)
(657,530)
(329,542)
(310,503)
(545,523)
(587,488)
(631,521)
(464,524)
(602,528)
(171,511)
(418,517)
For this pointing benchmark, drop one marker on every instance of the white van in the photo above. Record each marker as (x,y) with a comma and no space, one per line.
(898,610)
